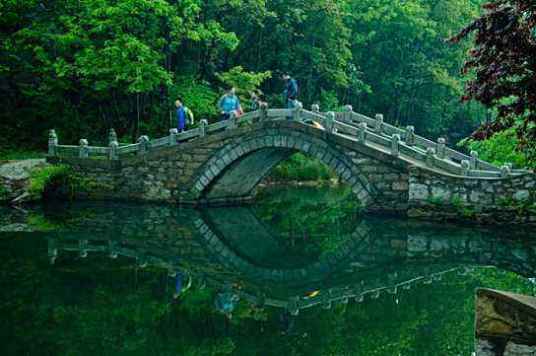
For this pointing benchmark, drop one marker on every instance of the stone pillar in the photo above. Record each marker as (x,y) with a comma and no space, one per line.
(143,145)
(348,110)
(112,136)
(298,106)
(264,111)
(173,136)
(379,123)
(395,145)
(430,156)
(113,153)
(315,108)
(83,151)
(52,142)
(410,135)
(330,122)
(441,148)
(466,168)
(232,122)
(362,132)
(203,128)
(506,170)
(474,160)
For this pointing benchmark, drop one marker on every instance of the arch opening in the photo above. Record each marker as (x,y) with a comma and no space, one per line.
(233,173)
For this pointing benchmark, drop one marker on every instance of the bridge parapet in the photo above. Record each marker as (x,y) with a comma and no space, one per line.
(373,132)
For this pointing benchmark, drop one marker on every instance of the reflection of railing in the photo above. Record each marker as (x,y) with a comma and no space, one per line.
(359,129)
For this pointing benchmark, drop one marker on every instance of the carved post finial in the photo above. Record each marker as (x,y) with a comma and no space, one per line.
(430,156)
(112,136)
(466,167)
(298,106)
(410,135)
(52,142)
(232,121)
(263,107)
(330,122)
(203,127)
(362,132)
(379,123)
(173,136)
(348,108)
(315,108)
(441,148)
(395,145)
(506,170)
(113,153)
(143,144)
(474,160)
(83,150)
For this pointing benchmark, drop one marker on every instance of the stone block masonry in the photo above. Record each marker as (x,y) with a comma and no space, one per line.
(225,168)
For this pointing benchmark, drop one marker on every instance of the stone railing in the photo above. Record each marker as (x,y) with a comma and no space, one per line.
(371,132)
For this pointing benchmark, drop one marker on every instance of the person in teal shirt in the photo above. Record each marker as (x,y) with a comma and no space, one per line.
(229,104)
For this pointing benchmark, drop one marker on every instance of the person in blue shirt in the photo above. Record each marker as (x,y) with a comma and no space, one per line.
(290,94)
(184,116)
(229,104)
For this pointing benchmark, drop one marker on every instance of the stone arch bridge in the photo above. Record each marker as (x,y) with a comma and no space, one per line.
(388,168)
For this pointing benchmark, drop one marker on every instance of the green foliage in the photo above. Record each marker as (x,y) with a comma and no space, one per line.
(83,67)
(42,177)
(301,168)
(242,80)
(499,149)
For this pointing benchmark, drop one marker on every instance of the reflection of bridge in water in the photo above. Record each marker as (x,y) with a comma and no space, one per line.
(376,258)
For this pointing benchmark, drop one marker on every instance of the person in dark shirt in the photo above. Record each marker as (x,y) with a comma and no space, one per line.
(290,94)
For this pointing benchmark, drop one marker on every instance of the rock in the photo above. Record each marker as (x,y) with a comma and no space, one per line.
(513,349)
(16,228)
(522,195)
(19,170)
(15,178)
(418,192)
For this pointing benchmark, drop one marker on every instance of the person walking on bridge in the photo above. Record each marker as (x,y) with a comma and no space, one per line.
(229,104)
(290,94)
(183,116)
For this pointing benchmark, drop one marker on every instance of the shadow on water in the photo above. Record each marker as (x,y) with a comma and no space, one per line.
(163,280)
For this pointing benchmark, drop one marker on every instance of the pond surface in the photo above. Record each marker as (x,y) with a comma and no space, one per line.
(300,273)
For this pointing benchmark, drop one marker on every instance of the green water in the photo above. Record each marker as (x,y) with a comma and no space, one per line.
(300,273)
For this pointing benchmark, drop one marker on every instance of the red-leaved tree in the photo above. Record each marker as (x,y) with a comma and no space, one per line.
(503,62)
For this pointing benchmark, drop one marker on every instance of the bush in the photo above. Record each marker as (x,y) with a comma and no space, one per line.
(499,149)
(41,178)
(301,168)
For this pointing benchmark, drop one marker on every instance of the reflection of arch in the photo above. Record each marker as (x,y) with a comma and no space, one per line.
(235,170)
(369,262)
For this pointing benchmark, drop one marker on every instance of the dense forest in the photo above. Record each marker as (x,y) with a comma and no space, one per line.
(83,67)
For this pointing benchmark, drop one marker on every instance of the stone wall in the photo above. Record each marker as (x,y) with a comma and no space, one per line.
(225,168)
(486,199)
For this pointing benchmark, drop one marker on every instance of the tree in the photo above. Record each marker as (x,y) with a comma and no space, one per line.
(503,68)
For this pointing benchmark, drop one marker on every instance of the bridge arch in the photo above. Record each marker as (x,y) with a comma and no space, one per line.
(232,172)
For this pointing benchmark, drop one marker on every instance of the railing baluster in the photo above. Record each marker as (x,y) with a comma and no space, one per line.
(83,150)
(441,145)
(379,123)
(52,142)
